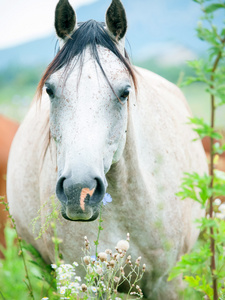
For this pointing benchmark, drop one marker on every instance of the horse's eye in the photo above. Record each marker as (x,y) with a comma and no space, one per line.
(50,92)
(125,94)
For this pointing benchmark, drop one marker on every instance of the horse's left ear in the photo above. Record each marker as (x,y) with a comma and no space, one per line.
(116,20)
(65,19)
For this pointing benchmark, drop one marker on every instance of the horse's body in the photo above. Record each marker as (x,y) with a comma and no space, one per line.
(8,129)
(144,171)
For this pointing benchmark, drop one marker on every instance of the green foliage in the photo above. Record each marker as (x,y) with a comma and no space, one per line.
(104,273)
(204,268)
(53,215)
(17,88)
(203,129)
(195,266)
(196,187)
(100,228)
(13,276)
(211,8)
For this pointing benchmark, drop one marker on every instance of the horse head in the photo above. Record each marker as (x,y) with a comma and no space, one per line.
(88,84)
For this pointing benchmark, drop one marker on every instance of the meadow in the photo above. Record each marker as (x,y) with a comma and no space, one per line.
(17,88)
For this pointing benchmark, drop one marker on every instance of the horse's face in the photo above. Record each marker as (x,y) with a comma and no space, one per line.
(88,121)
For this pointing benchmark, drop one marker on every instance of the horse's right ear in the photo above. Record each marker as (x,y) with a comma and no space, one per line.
(65,20)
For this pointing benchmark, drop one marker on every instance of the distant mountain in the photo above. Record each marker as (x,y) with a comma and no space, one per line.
(40,51)
(156,28)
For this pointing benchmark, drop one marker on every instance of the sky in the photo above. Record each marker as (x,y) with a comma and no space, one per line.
(25,20)
(165,28)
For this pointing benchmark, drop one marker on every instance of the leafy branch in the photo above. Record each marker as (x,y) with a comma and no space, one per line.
(204,268)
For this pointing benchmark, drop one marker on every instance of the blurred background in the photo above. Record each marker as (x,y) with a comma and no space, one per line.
(161,37)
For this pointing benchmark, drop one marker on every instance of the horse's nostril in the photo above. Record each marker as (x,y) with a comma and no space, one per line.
(99,191)
(60,190)
(69,192)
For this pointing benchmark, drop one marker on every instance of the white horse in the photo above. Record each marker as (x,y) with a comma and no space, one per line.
(104,124)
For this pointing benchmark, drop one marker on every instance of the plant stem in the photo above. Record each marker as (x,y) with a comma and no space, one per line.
(2,296)
(25,265)
(212,155)
(28,283)
(212,240)
(99,230)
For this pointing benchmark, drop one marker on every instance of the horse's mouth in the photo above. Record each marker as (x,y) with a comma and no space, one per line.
(75,214)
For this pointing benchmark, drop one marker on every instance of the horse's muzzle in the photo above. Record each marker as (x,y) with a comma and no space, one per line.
(80,202)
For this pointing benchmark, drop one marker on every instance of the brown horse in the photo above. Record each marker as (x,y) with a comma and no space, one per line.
(8,129)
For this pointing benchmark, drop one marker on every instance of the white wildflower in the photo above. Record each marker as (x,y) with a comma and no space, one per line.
(123,245)
(78,278)
(99,270)
(62,290)
(68,267)
(112,263)
(54,266)
(217,201)
(63,276)
(83,287)
(74,285)
(102,256)
(144,268)
(89,269)
(117,279)
(87,260)
(222,208)
(220,216)
(94,289)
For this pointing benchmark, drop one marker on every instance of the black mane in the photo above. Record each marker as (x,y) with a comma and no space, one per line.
(92,34)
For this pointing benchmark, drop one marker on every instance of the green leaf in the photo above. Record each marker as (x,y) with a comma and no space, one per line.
(218,149)
(213,7)
(193,281)
(203,129)
(195,187)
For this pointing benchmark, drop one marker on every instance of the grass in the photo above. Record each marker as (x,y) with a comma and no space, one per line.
(12,273)
(17,88)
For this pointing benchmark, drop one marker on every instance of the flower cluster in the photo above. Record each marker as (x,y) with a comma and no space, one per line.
(67,282)
(104,274)
(110,269)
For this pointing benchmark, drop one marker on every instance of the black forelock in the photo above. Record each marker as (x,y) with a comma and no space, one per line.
(92,34)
